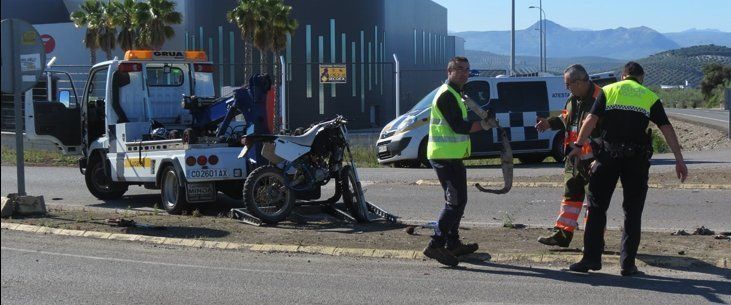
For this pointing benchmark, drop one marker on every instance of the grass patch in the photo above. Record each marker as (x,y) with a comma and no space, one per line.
(39,157)
(365,156)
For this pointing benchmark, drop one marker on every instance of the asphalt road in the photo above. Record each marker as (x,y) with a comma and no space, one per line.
(710,117)
(51,269)
(393,190)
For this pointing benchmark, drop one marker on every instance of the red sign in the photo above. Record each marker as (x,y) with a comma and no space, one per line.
(48,43)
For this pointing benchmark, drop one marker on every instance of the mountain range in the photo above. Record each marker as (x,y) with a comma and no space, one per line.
(620,43)
(672,67)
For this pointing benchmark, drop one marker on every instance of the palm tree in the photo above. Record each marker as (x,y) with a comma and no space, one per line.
(155,18)
(271,36)
(245,16)
(125,16)
(107,30)
(89,15)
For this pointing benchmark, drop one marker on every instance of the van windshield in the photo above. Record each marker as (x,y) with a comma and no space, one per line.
(426,101)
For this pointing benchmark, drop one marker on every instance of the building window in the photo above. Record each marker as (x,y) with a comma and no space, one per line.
(354,78)
(362,71)
(332,51)
(415,62)
(308,59)
(320,53)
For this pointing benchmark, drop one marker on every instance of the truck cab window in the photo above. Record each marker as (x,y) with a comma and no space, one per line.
(165,76)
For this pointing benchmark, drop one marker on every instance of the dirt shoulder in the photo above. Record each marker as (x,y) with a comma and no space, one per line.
(318,230)
(705,176)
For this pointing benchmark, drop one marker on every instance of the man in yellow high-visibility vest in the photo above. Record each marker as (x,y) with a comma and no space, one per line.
(449,143)
(626,109)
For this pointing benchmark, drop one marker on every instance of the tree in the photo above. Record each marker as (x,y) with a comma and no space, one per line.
(107,30)
(271,36)
(245,16)
(125,14)
(89,15)
(714,75)
(154,19)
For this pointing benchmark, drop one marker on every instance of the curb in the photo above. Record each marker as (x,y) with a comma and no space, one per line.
(686,186)
(673,262)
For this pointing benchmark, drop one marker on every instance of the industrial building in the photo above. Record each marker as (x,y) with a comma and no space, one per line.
(363,35)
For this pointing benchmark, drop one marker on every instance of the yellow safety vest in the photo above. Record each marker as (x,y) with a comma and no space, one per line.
(444,143)
(629,95)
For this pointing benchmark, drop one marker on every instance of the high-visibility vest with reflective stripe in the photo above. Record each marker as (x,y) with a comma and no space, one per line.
(444,143)
(572,129)
(629,95)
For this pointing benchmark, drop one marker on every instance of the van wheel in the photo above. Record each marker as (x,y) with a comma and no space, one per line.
(557,151)
(422,153)
(171,193)
(100,184)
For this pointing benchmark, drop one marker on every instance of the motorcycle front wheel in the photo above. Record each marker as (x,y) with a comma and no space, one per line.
(267,196)
(353,194)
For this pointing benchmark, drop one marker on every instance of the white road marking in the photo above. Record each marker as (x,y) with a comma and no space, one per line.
(698,116)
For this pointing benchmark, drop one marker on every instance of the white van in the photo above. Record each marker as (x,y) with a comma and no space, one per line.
(517,101)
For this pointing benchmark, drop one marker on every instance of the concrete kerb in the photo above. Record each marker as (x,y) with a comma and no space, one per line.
(689,186)
(337,251)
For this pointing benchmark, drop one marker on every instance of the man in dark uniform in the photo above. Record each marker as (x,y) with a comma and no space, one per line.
(449,143)
(583,92)
(625,109)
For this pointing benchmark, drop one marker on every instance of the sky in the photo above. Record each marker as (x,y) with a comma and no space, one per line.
(664,16)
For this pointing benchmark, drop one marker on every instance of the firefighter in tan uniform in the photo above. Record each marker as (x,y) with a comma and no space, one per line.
(583,93)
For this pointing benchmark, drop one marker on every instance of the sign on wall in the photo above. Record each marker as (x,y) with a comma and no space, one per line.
(333,74)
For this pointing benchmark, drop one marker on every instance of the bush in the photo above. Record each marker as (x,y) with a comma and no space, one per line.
(681,98)
(658,144)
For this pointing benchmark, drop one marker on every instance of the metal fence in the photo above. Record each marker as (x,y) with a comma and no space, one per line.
(367,99)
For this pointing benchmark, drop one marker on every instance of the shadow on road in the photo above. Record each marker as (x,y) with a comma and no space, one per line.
(708,289)
(695,265)
(180,232)
(668,161)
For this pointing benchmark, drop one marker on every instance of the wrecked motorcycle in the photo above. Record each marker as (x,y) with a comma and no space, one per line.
(299,165)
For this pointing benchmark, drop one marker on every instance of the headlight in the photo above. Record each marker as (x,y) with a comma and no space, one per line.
(406,123)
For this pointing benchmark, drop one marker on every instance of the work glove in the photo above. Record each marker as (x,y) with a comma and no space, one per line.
(488,123)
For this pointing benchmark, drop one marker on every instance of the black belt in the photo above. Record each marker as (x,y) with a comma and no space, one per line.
(626,150)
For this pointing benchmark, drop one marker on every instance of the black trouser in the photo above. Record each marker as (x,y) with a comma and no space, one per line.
(633,172)
(453,177)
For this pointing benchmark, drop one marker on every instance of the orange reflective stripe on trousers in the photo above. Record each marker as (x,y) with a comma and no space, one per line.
(568,216)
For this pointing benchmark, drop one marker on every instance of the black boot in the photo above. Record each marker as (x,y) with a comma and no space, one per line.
(561,238)
(442,255)
(584,266)
(463,249)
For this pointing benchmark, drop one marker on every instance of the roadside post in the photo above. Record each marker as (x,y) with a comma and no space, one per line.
(728,107)
(23,63)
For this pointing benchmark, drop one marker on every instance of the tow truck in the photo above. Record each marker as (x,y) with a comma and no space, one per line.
(132,126)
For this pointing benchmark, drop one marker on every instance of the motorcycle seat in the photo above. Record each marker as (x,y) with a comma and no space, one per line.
(305,139)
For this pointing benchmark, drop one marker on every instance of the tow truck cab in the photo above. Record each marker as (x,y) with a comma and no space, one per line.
(128,128)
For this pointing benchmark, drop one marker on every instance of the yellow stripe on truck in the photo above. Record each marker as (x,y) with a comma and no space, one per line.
(137,162)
